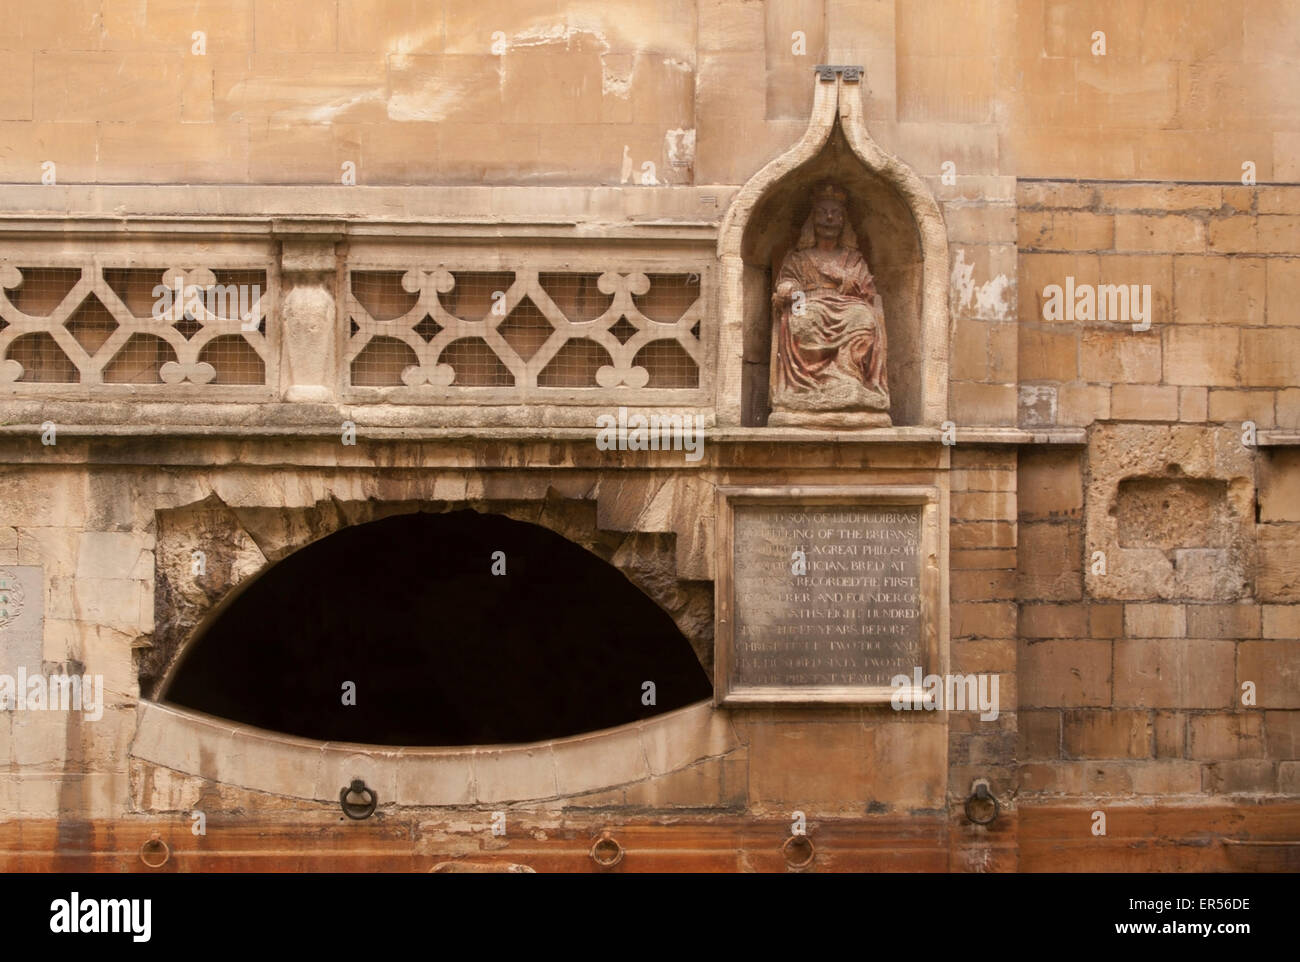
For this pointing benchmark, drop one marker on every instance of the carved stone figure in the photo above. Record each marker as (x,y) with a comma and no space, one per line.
(828,366)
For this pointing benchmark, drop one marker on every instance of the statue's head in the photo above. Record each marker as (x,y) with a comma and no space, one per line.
(828,219)
(828,211)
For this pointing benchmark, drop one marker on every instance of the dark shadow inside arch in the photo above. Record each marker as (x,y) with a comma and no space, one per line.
(441,651)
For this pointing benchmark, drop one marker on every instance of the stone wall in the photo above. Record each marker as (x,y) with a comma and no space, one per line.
(1148,560)
(1123,492)
(585,93)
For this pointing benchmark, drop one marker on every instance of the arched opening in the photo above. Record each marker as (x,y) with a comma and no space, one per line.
(441,650)
(902,234)
(888,238)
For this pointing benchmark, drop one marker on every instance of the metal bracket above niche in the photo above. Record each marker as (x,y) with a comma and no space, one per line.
(851,73)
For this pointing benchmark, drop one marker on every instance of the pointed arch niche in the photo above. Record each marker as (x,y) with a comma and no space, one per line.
(900,231)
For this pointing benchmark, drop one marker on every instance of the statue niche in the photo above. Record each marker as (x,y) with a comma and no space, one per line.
(828,338)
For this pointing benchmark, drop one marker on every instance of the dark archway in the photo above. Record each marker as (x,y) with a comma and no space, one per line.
(442,652)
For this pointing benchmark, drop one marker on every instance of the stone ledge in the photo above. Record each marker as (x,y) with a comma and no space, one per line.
(250,758)
(60,208)
(289,420)
(1278,438)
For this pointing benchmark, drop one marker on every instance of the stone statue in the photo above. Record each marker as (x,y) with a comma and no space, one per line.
(828,366)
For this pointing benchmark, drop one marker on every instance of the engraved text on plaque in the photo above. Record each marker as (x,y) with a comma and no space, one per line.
(845,615)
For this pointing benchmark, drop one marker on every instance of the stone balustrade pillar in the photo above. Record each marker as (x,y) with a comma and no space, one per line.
(309,324)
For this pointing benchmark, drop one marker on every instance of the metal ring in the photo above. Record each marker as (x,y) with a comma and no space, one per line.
(152,844)
(982,794)
(787,853)
(353,810)
(607,852)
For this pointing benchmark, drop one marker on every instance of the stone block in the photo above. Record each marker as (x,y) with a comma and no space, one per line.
(982,404)
(99,87)
(1065,674)
(1155,621)
(1173,673)
(1122,355)
(1050,566)
(1166,778)
(1223,621)
(1053,621)
(983,505)
(1281,621)
(1234,407)
(1283,297)
(1278,578)
(1211,289)
(1048,355)
(1282,734)
(1274,667)
(389,26)
(1165,232)
(1081,404)
(281,28)
(1244,776)
(1106,621)
(1065,230)
(1051,484)
(1201,356)
(1143,402)
(1040,734)
(1089,733)
(1279,233)
(983,620)
(1270,357)
(1171,734)
(1225,735)
(1193,403)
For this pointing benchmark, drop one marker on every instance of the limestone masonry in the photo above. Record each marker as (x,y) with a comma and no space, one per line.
(695,435)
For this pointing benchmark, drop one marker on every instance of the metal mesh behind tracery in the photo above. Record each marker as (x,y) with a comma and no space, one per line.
(476,292)
(135,286)
(381,362)
(381,294)
(526,329)
(476,364)
(234,360)
(91,324)
(139,361)
(669,297)
(42,359)
(668,365)
(43,289)
(574,365)
(578,296)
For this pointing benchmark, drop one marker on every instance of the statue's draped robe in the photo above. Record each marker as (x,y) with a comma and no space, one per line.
(832,357)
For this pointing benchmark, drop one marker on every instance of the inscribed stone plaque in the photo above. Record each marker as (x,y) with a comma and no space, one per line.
(852,619)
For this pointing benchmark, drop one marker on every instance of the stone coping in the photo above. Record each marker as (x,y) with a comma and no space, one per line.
(332,206)
(230,425)
(1279,438)
(251,758)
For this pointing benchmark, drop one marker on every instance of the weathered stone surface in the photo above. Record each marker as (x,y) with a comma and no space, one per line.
(1161,499)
